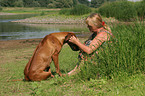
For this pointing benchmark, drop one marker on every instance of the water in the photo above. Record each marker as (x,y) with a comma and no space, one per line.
(14,31)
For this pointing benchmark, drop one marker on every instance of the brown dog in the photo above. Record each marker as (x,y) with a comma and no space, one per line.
(47,50)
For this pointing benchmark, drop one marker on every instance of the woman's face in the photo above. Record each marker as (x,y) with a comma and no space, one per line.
(92,27)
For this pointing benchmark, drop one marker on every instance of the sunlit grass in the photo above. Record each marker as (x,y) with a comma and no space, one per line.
(120,66)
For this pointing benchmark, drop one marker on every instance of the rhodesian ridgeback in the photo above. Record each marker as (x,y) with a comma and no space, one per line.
(38,67)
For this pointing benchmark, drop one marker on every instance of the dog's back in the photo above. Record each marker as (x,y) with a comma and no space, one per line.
(46,50)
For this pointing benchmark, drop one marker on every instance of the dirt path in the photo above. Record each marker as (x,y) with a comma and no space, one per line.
(16,44)
(15,50)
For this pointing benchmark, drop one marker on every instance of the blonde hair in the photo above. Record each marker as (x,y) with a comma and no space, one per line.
(96,20)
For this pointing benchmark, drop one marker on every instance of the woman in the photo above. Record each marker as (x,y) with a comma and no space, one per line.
(100,33)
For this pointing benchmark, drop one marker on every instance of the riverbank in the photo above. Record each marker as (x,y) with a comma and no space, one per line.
(60,19)
(48,16)
(16,44)
(53,19)
(22,43)
(2,13)
(15,50)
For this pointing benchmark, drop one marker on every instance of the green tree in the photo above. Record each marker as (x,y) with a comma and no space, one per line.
(97,3)
(75,2)
(7,3)
(80,9)
(86,2)
(61,3)
(28,3)
(31,3)
(44,3)
(19,3)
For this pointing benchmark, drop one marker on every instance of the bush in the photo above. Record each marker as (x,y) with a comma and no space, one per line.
(1,9)
(140,8)
(123,10)
(80,9)
(64,11)
(18,3)
(51,5)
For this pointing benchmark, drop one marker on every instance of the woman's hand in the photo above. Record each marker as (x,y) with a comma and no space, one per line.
(73,39)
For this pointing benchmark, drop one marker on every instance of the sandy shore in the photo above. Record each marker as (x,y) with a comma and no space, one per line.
(59,20)
(55,19)
(52,20)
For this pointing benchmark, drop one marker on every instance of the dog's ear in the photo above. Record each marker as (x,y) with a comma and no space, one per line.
(67,37)
(74,47)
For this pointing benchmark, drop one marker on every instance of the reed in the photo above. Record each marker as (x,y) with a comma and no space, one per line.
(140,8)
(125,55)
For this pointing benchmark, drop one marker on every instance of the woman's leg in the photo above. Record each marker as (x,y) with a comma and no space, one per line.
(76,69)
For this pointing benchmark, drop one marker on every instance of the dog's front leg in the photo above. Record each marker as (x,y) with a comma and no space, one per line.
(55,60)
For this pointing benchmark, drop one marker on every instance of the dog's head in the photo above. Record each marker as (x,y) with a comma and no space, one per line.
(74,47)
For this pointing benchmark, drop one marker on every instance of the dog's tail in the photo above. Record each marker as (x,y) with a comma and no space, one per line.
(15,80)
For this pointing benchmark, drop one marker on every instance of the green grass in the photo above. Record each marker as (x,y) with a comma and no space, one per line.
(33,10)
(120,65)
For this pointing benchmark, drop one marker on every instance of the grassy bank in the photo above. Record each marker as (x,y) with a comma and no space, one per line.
(48,16)
(121,68)
(24,10)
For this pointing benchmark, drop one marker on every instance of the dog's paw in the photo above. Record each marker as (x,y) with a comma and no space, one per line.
(63,75)
(52,76)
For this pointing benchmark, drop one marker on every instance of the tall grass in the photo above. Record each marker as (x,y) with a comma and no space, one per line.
(1,8)
(79,9)
(125,55)
(121,10)
(140,8)
(65,11)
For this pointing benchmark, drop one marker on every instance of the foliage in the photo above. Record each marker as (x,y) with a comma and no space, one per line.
(52,3)
(65,11)
(85,2)
(19,3)
(1,8)
(5,3)
(61,4)
(42,3)
(127,51)
(122,10)
(140,8)
(80,9)
(124,55)
(31,3)
(97,3)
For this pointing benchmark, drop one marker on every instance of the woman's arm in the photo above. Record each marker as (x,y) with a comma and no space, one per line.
(96,42)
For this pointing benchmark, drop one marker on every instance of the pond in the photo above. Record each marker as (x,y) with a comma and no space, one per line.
(14,31)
